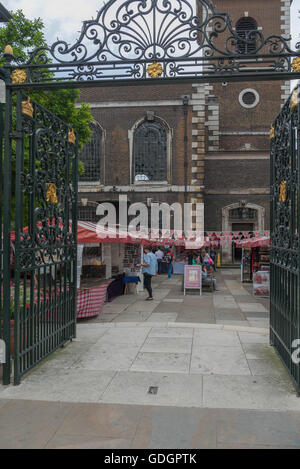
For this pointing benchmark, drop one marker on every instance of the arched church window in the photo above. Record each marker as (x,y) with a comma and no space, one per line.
(150,152)
(246,30)
(91,156)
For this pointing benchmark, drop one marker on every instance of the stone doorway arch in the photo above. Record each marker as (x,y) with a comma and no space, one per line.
(228,223)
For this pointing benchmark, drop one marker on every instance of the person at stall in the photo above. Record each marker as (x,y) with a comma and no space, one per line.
(196,260)
(169,259)
(150,268)
(190,258)
(213,256)
(205,257)
(159,256)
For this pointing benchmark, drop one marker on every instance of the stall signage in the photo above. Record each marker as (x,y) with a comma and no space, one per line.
(193,277)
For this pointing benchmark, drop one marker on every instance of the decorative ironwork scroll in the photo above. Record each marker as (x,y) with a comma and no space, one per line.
(180,38)
(285,230)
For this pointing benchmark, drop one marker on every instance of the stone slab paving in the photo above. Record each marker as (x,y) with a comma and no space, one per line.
(55,425)
(219,356)
(217,382)
(232,302)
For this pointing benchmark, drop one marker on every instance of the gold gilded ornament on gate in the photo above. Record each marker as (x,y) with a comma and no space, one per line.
(18,76)
(154,70)
(294,100)
(51,195)
(272,132)
(72,137)
(8,50)
(27,108)
(296,64)
(282,193)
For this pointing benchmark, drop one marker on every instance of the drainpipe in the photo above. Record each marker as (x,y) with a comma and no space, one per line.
(185,102)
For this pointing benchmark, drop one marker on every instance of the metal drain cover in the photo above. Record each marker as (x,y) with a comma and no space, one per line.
(153,390)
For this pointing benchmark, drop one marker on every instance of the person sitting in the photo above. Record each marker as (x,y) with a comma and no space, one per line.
(206,280)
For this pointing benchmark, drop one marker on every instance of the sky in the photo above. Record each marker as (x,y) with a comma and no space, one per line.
(63,18)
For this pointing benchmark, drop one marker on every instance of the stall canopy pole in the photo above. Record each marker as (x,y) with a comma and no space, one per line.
(140,287)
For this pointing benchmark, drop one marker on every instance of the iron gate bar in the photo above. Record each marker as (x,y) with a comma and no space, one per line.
(157,82)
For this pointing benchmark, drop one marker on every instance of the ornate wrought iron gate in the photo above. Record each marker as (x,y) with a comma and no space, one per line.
(285,230)
(41,151)
(130,42)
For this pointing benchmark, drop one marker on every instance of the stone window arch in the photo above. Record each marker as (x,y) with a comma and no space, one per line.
(150,150)
(92,156)
(246,29)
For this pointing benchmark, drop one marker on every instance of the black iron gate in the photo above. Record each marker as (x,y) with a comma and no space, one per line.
(285,225)
(130,42)
(42,173)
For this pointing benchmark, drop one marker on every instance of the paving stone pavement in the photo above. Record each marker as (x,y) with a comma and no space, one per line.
(57,425)
(217,381)
(233,304)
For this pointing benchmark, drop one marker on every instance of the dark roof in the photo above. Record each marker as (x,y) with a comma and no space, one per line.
(5,16)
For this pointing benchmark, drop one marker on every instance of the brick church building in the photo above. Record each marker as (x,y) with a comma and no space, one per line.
(208,142)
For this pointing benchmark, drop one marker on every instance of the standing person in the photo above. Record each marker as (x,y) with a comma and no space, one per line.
(206,258)
(149,270)
(190,258)
(169,259)
(213,255)
(159,256)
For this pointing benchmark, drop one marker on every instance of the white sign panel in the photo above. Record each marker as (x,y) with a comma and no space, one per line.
(2,351)
(2,91)
(79,262)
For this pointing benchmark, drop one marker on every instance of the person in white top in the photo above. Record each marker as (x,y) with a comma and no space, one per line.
(159,256)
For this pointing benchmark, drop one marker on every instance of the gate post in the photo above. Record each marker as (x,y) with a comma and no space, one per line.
(6,233)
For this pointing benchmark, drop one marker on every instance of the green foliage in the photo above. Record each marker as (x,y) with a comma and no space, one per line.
(25,35)
(22,34)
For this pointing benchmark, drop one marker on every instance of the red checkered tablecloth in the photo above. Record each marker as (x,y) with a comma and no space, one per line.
(90,301)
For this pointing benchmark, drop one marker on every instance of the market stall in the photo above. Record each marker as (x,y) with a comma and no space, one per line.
(255,265)
(98,284)
(95,282)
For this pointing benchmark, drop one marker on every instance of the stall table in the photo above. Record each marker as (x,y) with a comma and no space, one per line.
(91,297)
(131,279)
(178,267)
